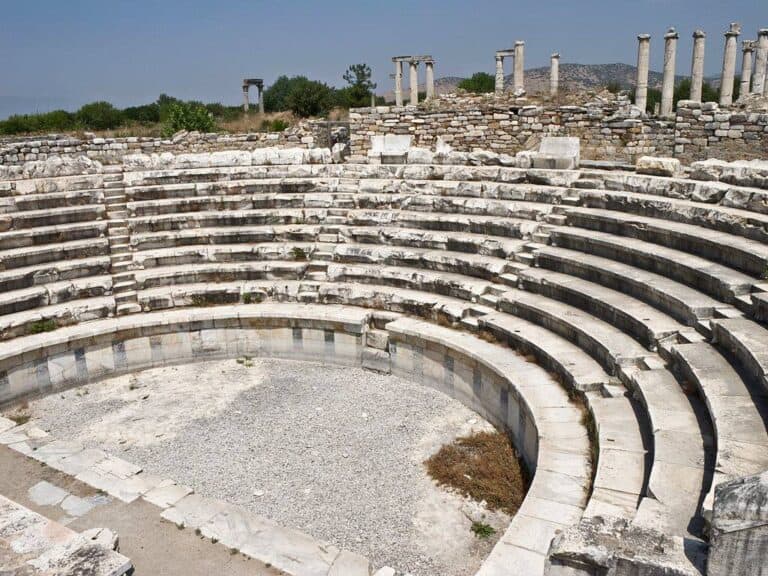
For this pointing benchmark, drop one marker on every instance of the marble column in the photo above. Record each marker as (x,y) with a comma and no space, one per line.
(697,66)
(748,50)
(261,99)
(519,67)
(554,74)
(761,61)
(643,56)
(668,80)
(499,75)
(245,98)
(398,82)
(729,65)
(430,68)
(414,81)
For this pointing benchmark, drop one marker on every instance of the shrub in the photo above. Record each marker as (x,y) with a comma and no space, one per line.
(276,125)
(479,83)
(99,116)
(146,114)
(188,116)
(308,98)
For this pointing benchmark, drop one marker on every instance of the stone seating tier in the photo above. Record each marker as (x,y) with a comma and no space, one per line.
(613,281)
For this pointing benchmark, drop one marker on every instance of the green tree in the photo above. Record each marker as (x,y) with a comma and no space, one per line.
(358,93)
(479,83)
(99,116)
(275,95)
(308,97)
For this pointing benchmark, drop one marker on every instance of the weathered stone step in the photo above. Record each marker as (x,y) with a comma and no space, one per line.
(54,216)
(574,365)
(679,301)
(28,276)
(733,251)
(681,468)
(56,315)
(34,255)
(747,342)
(711,278)
(54,293)
(618,353)
(633,316)
(738,411)
(43,235)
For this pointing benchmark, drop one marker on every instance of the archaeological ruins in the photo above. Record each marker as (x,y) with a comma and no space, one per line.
(585,277)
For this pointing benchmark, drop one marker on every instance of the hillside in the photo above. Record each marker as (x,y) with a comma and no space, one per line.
(573,77)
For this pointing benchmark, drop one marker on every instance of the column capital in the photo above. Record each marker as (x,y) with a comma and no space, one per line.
(733,30)
(762,32)
(519,43)
(748,45)
(671,34)
(555,55)
(643,37)
(699,34)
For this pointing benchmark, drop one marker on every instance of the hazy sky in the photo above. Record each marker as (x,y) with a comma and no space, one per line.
(63,53)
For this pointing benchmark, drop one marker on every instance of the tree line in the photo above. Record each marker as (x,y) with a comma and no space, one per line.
(298,94)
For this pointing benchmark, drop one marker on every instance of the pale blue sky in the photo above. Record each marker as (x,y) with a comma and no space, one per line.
(63,53)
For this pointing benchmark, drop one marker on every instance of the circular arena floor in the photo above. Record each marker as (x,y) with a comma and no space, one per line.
(334,452)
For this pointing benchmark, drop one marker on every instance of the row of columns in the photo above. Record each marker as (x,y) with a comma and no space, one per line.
(413,81)
(518,76)
(756,85)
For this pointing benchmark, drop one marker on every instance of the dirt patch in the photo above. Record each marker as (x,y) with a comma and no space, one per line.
(483,466)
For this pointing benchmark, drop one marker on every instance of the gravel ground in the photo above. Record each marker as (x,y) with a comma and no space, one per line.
(335,452)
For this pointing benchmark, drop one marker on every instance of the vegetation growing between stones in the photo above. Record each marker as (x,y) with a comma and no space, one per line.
(483,466)
(43,326)
(482,530)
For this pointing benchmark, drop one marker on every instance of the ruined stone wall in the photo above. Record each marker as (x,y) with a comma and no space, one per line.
(610,129)
(707,131)
(17,150)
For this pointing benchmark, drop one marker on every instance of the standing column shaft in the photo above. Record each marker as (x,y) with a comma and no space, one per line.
(499,75)
(668,80)
(643,56)
(761,61)
(245,98)
(261,100)
(554,74)
(414,82)
(697,66)
(729,65)
(748,49)
(430,69)
(519,66)
(398,83)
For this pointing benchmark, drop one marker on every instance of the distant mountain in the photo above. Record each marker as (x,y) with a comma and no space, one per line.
(573,77)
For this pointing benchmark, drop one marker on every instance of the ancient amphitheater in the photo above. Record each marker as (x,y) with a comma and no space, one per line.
(609,316)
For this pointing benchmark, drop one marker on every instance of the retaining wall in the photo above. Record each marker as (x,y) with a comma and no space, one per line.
(609,129)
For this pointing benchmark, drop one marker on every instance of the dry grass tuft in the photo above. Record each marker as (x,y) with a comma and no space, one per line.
(483,466)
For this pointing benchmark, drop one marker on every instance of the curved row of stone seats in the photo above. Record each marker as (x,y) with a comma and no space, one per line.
(749,256)
(618,353)
(716,280)
(734,221)
(682,302)
(55,258)
(470,264)
(650,326)
(738,408)
(509,390)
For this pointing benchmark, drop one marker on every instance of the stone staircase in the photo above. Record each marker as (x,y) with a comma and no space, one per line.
(123,281)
